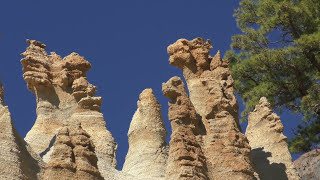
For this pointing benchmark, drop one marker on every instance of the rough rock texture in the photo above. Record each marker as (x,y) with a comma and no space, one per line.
(73,156)
(148,150)
(308,165)
(63,93)
(186,159)
(270,154)
(17,159)
(210,85)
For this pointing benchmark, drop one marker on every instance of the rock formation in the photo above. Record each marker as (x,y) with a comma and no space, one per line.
(186,159)
(210,85)
(308,165)
(17,159)
(63,93)
(271,157)
(73,156)
(70,133)
(148,150)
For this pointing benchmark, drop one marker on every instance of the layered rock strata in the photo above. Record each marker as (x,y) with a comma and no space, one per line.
(63,93)
(308,165)
(148,150)
(186,159)
(17,159)
(270,154)
(211,90)
(73,156)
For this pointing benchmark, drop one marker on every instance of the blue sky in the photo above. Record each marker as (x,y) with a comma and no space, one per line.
(125,41)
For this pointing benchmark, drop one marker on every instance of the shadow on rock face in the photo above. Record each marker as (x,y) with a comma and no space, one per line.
(265,170)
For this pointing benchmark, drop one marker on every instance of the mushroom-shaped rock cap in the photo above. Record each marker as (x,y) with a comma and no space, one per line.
(36,43)
(76,62)
(35,47)
(190,53)
(186,45)
(173,87)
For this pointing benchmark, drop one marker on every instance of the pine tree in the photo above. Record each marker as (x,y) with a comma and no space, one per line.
(277,55)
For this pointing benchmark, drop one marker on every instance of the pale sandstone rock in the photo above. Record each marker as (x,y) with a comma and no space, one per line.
(148,150)
(210,85)
(63,92)
(271,157)
(308,165)
(186,159)
(73,156)
(17,159)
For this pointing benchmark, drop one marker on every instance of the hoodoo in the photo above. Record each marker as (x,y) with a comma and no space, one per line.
(270,153)
(212,94)
(148,150)
(63,93)
(70,140)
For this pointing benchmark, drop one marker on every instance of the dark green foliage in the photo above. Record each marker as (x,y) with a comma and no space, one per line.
(307,137)
(278,56)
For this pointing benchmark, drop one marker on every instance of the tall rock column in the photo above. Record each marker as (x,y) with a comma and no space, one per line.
(63,93)
(17,159)
(211,90)
(148,150)
(186,159)
(270,154)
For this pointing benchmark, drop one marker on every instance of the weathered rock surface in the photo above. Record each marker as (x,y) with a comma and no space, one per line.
(73,156)
(270,154)
(70,133)
(148,150)
(63,93)
(308,165)
(210,85)
(186,159)
(17,159)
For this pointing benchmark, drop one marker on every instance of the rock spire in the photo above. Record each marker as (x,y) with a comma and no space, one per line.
(148,150)
(207,143)
(211,90)
(17,159)
(63,93)
(270,154)
(186,159)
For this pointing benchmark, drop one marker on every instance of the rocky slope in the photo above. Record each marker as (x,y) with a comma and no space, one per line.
(17,159)
(212,93)
(270,154)
(148,150)
(308,165)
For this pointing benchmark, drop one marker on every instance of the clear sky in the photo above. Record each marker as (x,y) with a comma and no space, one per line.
(125,41)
